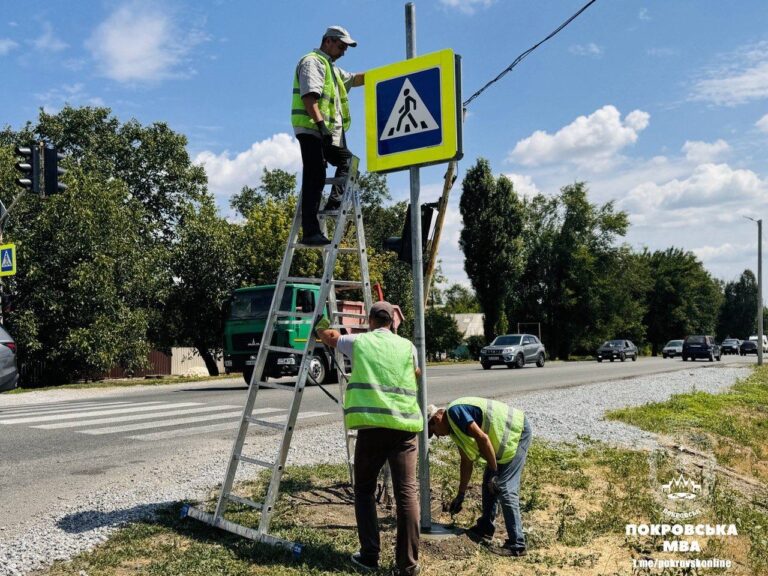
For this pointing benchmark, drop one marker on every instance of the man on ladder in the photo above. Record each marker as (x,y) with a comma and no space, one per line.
(320,117)
(381,403)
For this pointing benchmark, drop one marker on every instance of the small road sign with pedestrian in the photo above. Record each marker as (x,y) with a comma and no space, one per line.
(7,259)
(412,112)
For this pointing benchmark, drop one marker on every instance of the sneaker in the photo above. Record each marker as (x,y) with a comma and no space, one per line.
(317,239)
(363,565)
(478,533)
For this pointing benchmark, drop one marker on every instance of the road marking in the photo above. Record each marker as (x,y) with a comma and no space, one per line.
(67,408)
(227,426)
(164,423)
(144,408)
(133,417)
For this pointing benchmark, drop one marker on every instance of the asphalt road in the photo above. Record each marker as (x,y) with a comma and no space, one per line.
(60,450)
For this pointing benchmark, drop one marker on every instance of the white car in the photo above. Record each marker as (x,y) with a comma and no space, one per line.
(765,341)
(673,348)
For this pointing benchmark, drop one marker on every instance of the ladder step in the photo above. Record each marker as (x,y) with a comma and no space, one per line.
(248,460)
(276,425)
(347,250)
(344,283)
(348,283)
(302,280)
(335,181)
(351,315)
(285,349)
(277,386)
(245,501)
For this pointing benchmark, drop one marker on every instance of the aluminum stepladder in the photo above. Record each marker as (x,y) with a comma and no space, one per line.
(349,213)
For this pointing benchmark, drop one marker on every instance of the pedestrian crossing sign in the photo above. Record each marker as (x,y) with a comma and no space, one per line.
(412,112)
(7,259)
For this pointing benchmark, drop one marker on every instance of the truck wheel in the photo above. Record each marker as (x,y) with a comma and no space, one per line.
(540,360)
(247,371)
(318,372)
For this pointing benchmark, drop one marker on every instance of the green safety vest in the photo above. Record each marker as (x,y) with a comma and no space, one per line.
(502,424)
(382,390)
(327,101)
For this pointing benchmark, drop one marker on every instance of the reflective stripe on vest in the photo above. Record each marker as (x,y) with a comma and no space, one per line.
(327,102)
(382,392)
(502,424)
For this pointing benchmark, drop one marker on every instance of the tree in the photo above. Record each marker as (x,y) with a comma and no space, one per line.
(460,300)
(682,298)
(276,184)
(441,332)
(204,267)
(737,317)
(491,241)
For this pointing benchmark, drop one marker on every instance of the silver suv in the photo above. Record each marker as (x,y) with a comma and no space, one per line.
(514,351)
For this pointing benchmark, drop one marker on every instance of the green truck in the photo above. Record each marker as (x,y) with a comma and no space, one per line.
(247,317)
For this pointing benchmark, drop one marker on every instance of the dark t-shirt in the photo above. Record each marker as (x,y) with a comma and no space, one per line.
(464,414)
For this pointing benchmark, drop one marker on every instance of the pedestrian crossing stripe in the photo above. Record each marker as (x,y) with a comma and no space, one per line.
(409,115)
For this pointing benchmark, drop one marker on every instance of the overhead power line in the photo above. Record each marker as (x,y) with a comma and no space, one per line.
(531,49)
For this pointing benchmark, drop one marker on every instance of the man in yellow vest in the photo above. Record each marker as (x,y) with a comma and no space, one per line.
(320,118)
(381,403)
(489,431)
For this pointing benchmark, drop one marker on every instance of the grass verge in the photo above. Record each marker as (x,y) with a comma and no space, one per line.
(733,425)
(576,501)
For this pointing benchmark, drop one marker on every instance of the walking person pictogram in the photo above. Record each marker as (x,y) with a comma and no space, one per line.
(405,110)
(409,115)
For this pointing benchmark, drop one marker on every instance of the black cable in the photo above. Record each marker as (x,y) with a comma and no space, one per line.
(531,49)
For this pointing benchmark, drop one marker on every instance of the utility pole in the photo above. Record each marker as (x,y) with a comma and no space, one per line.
(759,289)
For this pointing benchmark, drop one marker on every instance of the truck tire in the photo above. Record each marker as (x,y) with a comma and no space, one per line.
(318,370)
(247,371)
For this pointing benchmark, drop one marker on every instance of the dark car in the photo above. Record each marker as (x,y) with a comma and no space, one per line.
(617,350)
(514,351)
(701,346)
(9,375)
(748,347)
(730,346)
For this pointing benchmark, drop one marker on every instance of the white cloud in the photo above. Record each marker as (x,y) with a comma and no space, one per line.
(227,174)
(140,42)
(47,41)
(74,94)
(762,124)
(6,45)
(590,49)
(467,6)
(701,152)
(524,184)
(643,14)
(589,141)
(662,52)
(742,77)
(710,186)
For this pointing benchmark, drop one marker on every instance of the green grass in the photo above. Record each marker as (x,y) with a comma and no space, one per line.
(738,417)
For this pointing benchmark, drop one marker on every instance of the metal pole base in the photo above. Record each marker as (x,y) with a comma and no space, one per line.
(439,532)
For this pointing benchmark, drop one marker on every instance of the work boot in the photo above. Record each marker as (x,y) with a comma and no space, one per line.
(363,564)
(509,548)
(317,239)
(480,533)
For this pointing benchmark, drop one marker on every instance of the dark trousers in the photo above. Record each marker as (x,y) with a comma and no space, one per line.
(374,447)
(314,156)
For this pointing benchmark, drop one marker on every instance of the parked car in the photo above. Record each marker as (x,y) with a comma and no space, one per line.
(617,349)
(672,348)
(748,347)
(9,375)
(730,346)
(514,351)
(765,341)
(701,346)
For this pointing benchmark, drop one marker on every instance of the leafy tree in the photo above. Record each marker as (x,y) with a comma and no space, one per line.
(737,315)
(276,184)
(204,267)
(682,298)
(491,241)
(460,300)
(441,332)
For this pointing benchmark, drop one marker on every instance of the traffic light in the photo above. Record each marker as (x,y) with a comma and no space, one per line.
(29,167)
(402,244)
(52,171)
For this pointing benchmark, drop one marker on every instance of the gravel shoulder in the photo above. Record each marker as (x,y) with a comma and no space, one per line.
(78,524)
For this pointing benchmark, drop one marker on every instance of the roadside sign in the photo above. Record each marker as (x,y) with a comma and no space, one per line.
(7,259)
(412,112)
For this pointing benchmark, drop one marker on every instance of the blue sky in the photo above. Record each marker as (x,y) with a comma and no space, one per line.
(660,105)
